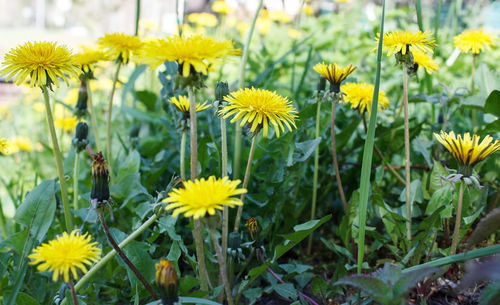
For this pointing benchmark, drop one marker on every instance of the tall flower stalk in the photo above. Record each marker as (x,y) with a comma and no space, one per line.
(79,142)
(409,203)
(109,153)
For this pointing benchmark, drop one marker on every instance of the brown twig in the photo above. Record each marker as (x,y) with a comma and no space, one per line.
(124,257)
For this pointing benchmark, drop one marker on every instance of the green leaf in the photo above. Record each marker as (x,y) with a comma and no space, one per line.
(441,197)
(147,98)
(489,224)
(416,192)
(130,165)
(491,294)
(305,149)
(436,181)
(37,210)
(189,300)
(422,145)
(286,290)
(374,287)
(26,299)
(301,232)
(129,86)
(492,104)
(138,254)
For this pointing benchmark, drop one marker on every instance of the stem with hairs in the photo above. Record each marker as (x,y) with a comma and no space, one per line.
(407,155)
(197,230)
(241,83)
(222,265)
(245,181)
(458,219)
(334,153)
(225,211)
(108,122)
(183,154)
(59,163)
(315,175)
(75,181)
(93,119)
(125,259)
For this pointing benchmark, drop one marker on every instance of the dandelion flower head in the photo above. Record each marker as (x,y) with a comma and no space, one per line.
(221,7)
(182,104)
(88,58)
(203,19)
(66,253)
(475,41)
(260,108)
(120,46)
(20,143)
(199,197)
(360,96)
(423,59)
(43,62)
(401,41)
(334,73)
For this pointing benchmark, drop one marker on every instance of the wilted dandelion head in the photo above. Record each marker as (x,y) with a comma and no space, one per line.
(43,62)
(467,150)
(405,41)
(360,96)
(260,108)
(182,104)
(423,59)
(475,41)
(166,278)
(334,73)
(88,58)
(204,196)
(66,253)
(120,46)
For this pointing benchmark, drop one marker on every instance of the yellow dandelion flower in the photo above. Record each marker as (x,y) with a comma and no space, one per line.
(334,73)
(260,108)
(280,16)
(263,26)
(204,196)
(166,278)
(120,45)
(66,253)
(360,96)
(401,41)
(423,59)
(20,143)
(475,41)
(43,62)
(182,104)
(203,19)
(294,34)
(197,52)
(467,150)
(221,7)
(88,58)
(308,10)
(67,124)
(4,146)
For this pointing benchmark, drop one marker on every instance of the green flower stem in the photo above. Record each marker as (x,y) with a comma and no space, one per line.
(315,175)
(183,154)
(75,181)
(364,188)
(245,182)
(474,112)
(197,230)
(334,154)
(112,253)
(59,163)
(225,211)
(108,122)
(241,83)
(458,219)
(3,220)
(72,288)
(407,155)
(222,266)
(124,257)
(93,119)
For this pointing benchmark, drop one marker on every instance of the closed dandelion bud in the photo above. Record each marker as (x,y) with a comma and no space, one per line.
(167,280)
(100,179)
(234,241)
(80,140)
(221,90)
(321,84)
(81,104)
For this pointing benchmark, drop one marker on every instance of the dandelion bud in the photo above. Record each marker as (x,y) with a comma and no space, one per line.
(167,280)
(405,59)
(100,179)
(221,90)
(81,104)
(234,241)
(253,227)
(80,140)
(321,84)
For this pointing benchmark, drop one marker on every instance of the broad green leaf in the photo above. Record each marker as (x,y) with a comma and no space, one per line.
(492,104)
(305,149)
(37,210)
(410,279)
(422,145)
(139,256)
(489,224)
(441,197)
(286,290)
(416,192)
(374,287)
(436,181)
(147,98)
(26,299)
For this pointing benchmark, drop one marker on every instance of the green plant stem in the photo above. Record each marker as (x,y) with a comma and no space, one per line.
(315,175)
(183,154)
(137,16)
(222,266)
(197,230)
(241,83)
(59,163)
(75,181)
(72,288)
(458,219)
(108,122)
(225,211)
(3,220)
(407,155)
(125,259)
(334,155)
(245,182)
(93,119)
(364,189)
(474,112)
(98,266)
